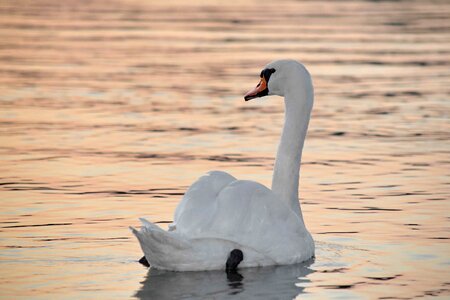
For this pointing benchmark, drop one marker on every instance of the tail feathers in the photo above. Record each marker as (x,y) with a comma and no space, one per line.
(164,239)
(162,249)
(133,230)
(149,225)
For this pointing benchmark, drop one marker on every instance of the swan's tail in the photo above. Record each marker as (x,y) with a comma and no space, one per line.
(159,246)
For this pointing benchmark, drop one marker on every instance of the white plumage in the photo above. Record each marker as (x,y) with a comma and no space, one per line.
(219,213)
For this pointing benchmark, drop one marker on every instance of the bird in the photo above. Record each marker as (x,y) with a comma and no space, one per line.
(225,223)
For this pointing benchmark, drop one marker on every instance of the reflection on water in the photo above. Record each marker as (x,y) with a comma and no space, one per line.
(110,110)
(281,282)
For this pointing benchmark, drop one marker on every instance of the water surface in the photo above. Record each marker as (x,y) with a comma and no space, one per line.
(110,110)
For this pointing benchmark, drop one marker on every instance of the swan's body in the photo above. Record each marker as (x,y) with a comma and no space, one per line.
(219,213)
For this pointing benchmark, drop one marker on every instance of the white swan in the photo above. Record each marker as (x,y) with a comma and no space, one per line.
(219,214)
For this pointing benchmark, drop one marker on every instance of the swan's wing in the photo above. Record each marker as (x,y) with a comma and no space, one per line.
(199,201)
(250,214)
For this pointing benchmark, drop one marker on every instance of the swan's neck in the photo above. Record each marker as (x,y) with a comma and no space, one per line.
(298,105)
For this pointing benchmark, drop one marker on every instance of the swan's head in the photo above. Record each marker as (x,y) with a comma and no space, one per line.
(279,77)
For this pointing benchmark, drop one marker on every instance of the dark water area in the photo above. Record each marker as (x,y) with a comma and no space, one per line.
(109,110)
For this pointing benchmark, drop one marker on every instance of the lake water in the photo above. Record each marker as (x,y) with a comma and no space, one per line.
(110,109)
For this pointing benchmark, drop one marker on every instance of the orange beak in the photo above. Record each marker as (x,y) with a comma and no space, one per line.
(262,85)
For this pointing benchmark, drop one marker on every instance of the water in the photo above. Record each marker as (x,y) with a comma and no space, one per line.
(109,111)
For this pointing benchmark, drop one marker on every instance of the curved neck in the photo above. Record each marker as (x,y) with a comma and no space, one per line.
(298,105)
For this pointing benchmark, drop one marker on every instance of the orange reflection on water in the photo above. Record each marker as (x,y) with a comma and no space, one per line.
(109,112)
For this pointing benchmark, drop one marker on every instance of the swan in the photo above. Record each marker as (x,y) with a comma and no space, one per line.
(222,222)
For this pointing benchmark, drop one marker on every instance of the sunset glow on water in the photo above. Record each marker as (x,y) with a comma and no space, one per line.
(110,109)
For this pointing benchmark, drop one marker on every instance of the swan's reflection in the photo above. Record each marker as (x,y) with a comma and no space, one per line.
(251,283)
